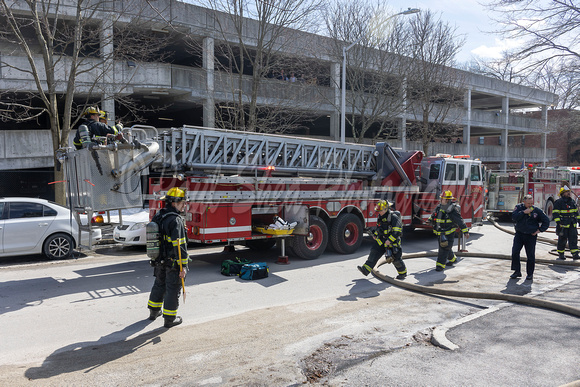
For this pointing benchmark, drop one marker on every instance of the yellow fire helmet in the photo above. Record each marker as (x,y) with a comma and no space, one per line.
(564,189)
(91,110)
(103,114)
(447,195)
(383,205)
(174,195)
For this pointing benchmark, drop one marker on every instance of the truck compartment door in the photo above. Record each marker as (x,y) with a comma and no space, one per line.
(297,213)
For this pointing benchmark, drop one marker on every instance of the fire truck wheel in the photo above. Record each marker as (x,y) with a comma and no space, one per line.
(261,244)
(313,245)
(549,208)
(346,234)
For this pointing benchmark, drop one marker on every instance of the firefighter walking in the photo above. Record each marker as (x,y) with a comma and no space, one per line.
(446,219)
(388,240)
(566,217)
(171,265)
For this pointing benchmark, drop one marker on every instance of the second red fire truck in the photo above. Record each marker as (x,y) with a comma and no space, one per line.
(506,189)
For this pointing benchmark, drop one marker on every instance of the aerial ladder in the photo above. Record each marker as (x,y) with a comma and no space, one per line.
(237,182)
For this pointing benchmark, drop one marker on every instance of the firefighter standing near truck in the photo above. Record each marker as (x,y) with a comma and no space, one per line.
(446,219)
(528,222)
(387,236)
(566,217)
(171,265)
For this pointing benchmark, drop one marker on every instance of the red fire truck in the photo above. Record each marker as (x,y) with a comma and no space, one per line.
(458,174)
(238,182)
(571,177)
(506,189)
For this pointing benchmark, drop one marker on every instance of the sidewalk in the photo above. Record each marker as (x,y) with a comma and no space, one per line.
(511,345)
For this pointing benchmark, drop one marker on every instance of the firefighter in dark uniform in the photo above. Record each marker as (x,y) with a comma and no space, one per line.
(164,297)
(446,219)
(566,218)
(387,235)
(528,222)
(96,128)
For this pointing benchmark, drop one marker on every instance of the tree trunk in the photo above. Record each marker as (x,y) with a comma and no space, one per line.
(59,188)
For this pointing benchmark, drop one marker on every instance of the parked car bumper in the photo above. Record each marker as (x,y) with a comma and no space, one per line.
(133,234)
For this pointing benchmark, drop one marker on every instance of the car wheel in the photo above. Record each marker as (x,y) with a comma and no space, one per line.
(58,246)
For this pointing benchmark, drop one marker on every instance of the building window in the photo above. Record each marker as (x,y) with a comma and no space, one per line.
(481,140)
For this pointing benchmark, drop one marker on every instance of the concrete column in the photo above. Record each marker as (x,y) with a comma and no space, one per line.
(467,129)
(208,66)
(402,132)
(505,103)
(403,123)
(335,115)
(108,70)
(545,135)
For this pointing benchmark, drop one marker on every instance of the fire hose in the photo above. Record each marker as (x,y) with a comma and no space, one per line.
(511,232)
(540,239)
(438,337)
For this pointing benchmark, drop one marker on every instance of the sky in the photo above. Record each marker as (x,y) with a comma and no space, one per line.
(471,19)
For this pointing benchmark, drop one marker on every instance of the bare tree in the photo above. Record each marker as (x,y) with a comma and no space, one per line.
(374,67)
(256,41)
(561,78)
(548,29)
(435,88)
(67,50)
(505,68)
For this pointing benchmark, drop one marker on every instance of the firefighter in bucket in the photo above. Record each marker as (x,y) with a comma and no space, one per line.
(387,236)
(446,219)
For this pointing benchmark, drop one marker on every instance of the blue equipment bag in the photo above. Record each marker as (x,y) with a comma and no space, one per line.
(254,271)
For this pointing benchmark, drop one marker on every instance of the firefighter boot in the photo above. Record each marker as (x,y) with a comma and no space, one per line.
(172,321)
(364,269)
(154,313)
(575,256)
(561,257)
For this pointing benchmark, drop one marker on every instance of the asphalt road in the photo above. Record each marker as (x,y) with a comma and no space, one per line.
(83,322)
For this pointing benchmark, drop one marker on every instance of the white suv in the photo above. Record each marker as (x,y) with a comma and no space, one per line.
(35,226)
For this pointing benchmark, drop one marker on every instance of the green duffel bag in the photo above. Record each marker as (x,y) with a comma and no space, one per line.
(233,266)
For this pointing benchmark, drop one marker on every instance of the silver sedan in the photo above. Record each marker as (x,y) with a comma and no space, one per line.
(38,226)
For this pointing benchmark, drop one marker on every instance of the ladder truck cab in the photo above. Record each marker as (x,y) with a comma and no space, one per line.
(506,189)
(238,184)
(459,174)
(573,180)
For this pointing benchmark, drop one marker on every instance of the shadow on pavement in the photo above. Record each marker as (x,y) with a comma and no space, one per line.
(100,282)
(92,354)
(512,287)
(362,288)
